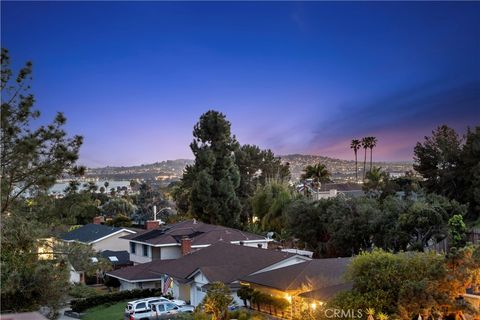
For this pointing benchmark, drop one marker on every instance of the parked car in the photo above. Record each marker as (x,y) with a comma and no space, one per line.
(141,309)
(161,309)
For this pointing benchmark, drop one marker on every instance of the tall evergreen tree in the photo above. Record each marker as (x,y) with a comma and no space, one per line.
(215,175)
(256,167)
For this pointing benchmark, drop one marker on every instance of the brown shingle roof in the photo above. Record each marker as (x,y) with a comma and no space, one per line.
(200,233)
(221,261)
(326,293)
(313,274)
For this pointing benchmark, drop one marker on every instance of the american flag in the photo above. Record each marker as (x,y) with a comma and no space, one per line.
(167,284)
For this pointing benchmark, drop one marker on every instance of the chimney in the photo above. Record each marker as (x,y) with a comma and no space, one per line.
(151,224)
(186,245)
(98,220)
(155,213)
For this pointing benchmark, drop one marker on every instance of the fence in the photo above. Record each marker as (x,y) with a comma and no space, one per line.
(443,246)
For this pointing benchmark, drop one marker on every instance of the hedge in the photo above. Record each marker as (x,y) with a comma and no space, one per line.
(80,305)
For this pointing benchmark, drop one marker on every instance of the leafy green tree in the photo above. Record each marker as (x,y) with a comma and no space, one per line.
(118,206)
(469,171)
(32,159)
(408,184)
(307,221)
(120,221)
(426,220)
(385,227)
(269,203)
(457,231)
(256,168)
(214,177)
(217,300)
(405,285)
(437,160)
(29,282)
(147,198)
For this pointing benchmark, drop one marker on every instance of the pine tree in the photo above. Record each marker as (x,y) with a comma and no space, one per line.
(214,177)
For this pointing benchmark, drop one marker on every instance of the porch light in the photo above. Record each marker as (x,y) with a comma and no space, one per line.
(289,298)
(313,305)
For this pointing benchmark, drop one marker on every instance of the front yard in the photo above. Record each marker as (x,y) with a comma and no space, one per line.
(106,312)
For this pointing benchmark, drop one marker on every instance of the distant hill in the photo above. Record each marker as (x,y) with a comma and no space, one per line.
(172,170)
(342,170)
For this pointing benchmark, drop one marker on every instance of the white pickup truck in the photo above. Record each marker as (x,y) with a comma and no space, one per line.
(154,308)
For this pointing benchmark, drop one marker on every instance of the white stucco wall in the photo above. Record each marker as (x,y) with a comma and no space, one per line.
(170,252)
(124,285)
(113,243)
(138,257)
(74,276)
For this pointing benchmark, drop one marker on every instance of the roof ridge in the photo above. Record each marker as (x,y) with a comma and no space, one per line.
(305,265)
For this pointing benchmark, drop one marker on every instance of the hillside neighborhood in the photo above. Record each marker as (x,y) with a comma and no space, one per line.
(240,160)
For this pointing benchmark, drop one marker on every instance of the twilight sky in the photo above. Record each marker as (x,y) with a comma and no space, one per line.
(295,77)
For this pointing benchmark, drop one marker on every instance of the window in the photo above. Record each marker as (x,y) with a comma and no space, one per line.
(160,307)
(171,306)
(141,306)
(145,250)
(133,246)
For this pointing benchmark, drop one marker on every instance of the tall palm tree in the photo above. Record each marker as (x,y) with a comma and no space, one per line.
(318,172)
(356,145)
(365,145)
(372,144)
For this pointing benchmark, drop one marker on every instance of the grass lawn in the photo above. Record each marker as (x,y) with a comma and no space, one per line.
(111,312)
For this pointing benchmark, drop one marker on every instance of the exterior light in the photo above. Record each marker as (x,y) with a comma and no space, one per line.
(289,298)
(313,305)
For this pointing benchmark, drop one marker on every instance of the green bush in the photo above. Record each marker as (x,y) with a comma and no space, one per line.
(82,291)
(80,305)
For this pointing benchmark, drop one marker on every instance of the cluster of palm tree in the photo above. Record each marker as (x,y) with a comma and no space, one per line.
(365,143)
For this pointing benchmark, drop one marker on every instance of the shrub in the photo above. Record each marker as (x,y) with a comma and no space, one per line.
(80,305)
(82,291)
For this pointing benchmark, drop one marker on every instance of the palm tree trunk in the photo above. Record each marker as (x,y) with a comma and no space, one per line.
(356,167)
(365,164)
(371,151)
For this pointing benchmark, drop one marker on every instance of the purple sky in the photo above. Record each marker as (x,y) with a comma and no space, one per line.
(296,77)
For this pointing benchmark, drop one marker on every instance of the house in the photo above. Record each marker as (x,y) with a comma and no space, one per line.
(173,240)
(118,259)
(188,277)
(304,285)
(99,236)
